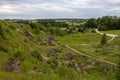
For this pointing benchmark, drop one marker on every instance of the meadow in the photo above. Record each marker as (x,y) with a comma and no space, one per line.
(117,32)
(89,43)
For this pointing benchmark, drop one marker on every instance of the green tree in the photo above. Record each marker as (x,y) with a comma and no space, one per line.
(104,39)
(91,23)
(36,31)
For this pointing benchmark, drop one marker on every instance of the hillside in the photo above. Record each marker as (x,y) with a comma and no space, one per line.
(27,55)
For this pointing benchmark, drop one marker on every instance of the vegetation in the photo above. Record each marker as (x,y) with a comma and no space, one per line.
(26,52)
(104,23)
(104,39)
(118,70)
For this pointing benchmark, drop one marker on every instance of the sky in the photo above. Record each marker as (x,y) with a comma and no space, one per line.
(41,9)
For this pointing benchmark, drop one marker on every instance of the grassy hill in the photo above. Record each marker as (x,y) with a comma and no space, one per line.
(27,56)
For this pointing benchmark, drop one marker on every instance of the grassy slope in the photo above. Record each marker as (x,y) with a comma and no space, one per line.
(15,40)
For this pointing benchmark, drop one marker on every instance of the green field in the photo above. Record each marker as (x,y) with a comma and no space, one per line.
(88,43)
(117,32)
(80,38)
(105,53)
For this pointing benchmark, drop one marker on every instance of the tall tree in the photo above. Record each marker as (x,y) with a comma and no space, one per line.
(91,23)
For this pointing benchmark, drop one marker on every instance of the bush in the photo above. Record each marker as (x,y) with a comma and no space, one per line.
(104,39)
(1,31)
(67,73)
(27,66)
(37,55)
(81,30)
(53,63)
(17,53)
(36,31)
(3,48)
(102,28)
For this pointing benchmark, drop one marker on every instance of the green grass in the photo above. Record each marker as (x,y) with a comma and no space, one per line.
(55,76)
(112,32)
(16,44)
(105,53)
(75,23)
(80,38)
(88,43)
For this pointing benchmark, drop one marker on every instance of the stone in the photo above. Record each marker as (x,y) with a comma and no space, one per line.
(14,65)
(52,52)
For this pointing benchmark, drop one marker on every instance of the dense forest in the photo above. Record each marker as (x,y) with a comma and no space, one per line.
(104,23)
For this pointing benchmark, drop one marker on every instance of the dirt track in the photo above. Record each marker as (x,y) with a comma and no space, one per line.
(110,35)
(101,60)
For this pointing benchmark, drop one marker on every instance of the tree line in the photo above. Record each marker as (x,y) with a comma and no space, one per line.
(104,23)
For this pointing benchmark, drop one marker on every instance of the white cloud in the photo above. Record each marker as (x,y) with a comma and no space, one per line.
(8,9)
(59,8)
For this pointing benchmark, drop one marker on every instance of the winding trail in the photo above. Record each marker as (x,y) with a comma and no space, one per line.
(95,58)
(110,35)
(98,59)
(79,44)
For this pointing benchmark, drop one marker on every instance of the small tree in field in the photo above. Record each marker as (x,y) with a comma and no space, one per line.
(104,39)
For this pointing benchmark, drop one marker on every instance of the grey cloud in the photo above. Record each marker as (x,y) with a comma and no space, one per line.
(58,8)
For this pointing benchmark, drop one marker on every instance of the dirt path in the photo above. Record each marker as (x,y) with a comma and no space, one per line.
(79,44)
(101,60)
(110,35)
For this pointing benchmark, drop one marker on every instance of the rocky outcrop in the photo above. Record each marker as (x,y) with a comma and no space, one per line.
(13,65)
(27,33)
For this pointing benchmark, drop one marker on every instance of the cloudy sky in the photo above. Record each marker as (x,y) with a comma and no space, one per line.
(32,9)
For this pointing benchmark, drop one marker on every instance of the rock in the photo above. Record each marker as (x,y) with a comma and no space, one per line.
(68,56)
(26,33)
(77,67)
(46,59)
(52,52)
(116,46)
(59,61)
(17,29)
(70,64)
(105,67)
(51,40)
(13,65)
(91,61)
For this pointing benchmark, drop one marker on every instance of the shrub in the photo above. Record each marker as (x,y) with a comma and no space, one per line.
(1,31)
(53,63)
(67,73)
(3,48)
(27,66)
(12,27)
(17,53)
(104,39)
(37,55)
(36,31)
(81,30)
